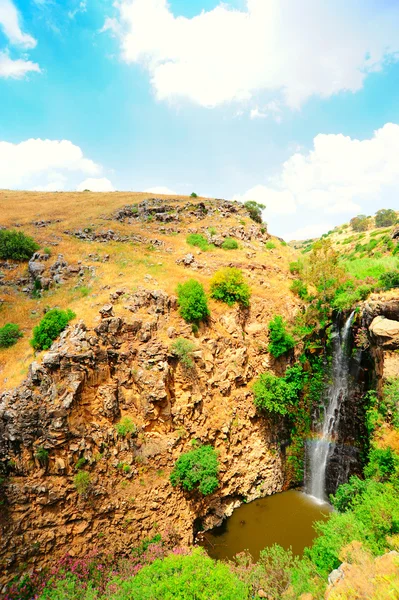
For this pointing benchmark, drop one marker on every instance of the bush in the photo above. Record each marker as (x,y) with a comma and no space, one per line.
(197,469)
(280,340)
(276,395)
(9,335)
(230,244)
(182,578)
(82,482)
(198,240)
(183,349)
(270,245)
(299,288)
(16,245)
(42,455)
(360,223)
(296,267)
(193,195)
(50,327)
(192,301)
(228,285)
(255,210)
(390,279)
(383,464)
(385,217)
(125,426)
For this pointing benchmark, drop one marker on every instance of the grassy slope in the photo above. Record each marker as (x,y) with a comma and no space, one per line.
(128,265)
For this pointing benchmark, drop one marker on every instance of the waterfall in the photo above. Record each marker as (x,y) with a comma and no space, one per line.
(319,449)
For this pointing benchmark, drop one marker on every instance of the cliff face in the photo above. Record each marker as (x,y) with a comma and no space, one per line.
(89,380)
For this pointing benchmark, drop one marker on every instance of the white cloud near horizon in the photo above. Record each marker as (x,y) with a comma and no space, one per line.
(96,185)
(10,24)
(288,50)
(309,232)
(339,175)
(44,165)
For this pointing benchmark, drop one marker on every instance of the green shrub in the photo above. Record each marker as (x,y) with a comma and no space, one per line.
(193,195)
(383,464)
(192,301)
(16,245)
(125,426)
(255,210)
(47,251)
(183,349)
(198,240)
(347,493)
(69,587)
(9,335)
(189,577)
(390,279)
(385,217)
(50,327)
(198,468)
(299,288)
(80,463)
(270,245)
(82,482)
(280,340)
(212,230)
(228,285)
(42,455)
(230,244)
(276,395)
(296,267)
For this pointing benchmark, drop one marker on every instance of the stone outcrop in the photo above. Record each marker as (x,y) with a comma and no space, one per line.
(64,418)
(380,316)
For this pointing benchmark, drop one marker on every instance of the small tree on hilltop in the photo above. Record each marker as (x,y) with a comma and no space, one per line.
(385,217)
(360,223)
(255,210)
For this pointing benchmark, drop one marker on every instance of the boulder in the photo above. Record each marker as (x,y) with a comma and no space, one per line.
(385,332)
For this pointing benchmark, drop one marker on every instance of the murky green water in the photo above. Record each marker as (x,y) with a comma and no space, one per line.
(284,519)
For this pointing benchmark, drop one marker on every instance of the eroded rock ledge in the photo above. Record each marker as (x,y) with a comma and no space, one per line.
(72,399)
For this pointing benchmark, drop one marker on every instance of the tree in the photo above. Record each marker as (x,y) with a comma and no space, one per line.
(360,223)
(385,217)
(192,301)
(323,270)
(255,210)
(198,468)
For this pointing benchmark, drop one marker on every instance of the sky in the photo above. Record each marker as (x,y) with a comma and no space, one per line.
(292,104)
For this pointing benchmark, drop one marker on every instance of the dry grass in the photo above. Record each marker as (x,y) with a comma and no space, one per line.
(129,264)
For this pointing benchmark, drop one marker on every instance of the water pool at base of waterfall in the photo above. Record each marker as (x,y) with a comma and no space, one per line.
(285,519)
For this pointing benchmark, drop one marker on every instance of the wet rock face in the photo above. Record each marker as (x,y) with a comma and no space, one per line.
(63,419)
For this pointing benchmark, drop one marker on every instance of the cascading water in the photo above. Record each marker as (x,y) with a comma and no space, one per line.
(319,449)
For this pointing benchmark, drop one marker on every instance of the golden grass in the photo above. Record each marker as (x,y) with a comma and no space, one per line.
(128,265)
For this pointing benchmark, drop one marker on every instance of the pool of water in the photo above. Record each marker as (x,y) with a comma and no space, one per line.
(286,519)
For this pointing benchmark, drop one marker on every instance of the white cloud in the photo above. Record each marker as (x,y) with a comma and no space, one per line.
(335,176)
(9,21)
(257,114)
(37,163)
(288,50)
(161,190)
(308,232)
(16,69)
(278,202)
(81,8)
(96,185)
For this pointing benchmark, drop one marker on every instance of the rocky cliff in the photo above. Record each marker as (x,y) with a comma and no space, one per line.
(63,418)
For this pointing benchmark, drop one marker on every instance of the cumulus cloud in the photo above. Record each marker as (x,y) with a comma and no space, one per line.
(10,24)
(96,185)
(161,190)
(309,231)
(16,69)
(287,50)
(338,176)
(39,164)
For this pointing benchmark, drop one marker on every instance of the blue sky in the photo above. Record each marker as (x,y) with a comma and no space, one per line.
(294,106)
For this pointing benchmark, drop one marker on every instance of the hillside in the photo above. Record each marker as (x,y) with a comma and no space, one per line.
(104,249)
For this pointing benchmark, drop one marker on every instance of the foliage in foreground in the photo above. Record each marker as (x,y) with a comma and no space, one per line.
(16,245)
(50,327)
(192,301)
(198,468)
(228,285)
(9,335)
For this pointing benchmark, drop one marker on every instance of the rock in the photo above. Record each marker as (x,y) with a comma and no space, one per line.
(335,576)
(106,311)
(386,332)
